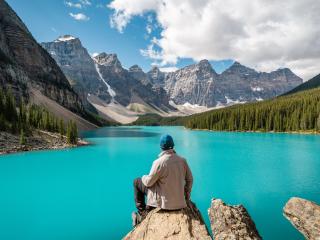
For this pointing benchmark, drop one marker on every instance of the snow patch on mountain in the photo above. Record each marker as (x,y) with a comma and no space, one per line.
(257,89)
(232,102)
(65,38)
(111,92)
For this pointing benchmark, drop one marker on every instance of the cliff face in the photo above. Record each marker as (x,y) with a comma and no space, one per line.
(104,77)
(193,84)
(78,66)
(200,84)
(26,65)
(130,86)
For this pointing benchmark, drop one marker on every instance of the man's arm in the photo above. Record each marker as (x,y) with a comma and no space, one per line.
(189,182)
(155,173)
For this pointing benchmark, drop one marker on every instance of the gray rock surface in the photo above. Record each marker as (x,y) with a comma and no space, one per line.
(129,85)
(200,84)
(104,76)
(24,64)
(196,84)
(185,224)
(231,222)
(305,216)
(78,66)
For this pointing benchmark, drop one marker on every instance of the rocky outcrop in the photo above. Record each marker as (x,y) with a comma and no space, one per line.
(305,216)
(25,64)
(182,224)
(231,222)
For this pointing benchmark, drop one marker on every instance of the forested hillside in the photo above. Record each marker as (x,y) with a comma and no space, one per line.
(157,120)
(296,112)
(23,119)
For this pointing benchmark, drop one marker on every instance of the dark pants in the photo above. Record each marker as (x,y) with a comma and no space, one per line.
(140,193)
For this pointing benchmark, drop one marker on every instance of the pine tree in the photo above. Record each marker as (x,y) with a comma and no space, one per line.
(61,128)
(22,138)
(72,133)
(295,112)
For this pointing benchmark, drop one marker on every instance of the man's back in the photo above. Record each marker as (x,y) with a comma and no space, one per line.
(169,182)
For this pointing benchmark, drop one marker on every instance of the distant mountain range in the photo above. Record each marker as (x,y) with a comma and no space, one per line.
(102,81)
(200,84)
(61,75)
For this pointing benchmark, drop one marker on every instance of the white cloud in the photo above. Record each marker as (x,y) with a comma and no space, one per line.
(75,5)
(265,34)
(168,69)
(85,2)
(79,16)
(94,54)
(150,25)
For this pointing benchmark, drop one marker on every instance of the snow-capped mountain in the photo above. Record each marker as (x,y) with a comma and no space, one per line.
(78,66)
(102,79)
(200,84)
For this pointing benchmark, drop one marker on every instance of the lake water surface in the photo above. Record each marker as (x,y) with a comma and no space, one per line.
(86,192)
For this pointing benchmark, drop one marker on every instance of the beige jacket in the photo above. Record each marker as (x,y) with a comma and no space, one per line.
(169,182)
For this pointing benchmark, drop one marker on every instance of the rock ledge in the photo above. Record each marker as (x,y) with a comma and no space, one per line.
(174,225)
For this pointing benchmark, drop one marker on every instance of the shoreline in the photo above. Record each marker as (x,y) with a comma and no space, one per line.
(311,132)
(40,140)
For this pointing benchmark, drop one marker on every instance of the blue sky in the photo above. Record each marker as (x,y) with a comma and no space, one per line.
(48,19)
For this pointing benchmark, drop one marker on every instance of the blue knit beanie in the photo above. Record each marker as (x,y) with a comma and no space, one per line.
(166,142)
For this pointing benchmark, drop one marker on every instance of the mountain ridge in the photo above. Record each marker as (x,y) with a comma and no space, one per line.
(193,85)
(25,66)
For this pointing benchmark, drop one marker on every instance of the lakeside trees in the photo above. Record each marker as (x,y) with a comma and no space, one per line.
(296,112)
(72,133)
(22,119)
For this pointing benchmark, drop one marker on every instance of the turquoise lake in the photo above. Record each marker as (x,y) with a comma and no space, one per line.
(86,192)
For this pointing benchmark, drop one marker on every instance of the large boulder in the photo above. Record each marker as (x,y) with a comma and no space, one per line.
(305,216)
(174,225)
(231,222)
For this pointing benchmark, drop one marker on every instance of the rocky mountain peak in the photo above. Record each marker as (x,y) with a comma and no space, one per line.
(66,38)
(155,69)
(238,68)
(286,75)
(156,76)
(204,63)
(109,60)
(135,68)
(286,71)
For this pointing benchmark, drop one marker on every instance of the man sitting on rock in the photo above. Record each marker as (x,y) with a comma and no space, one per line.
(168,185)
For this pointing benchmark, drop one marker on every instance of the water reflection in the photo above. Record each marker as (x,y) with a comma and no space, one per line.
(121,132)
